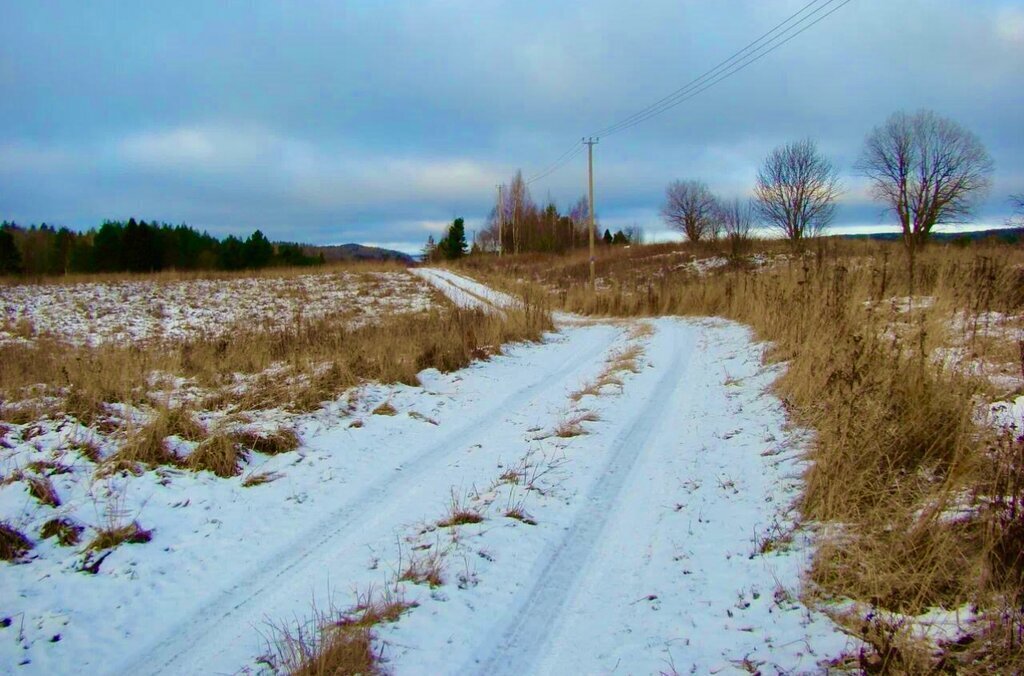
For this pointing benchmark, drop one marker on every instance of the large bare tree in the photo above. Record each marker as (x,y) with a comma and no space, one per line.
(796,191)
(692,209)
(928,170)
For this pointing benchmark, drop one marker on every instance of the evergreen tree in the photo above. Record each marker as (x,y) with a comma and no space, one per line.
(620,238)
(257,251)
(454,245)
(232,253)
(430,249)
(10,257)
(107,247)
(608,237)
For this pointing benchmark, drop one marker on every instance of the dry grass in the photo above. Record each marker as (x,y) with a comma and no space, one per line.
(896,449)
(519,514)
(335,643)
(459,513)
(121,391)
(146,445)
(220,454)
(13,543)
(260,478)
(114,536)
(269,442)
(67,531)
(425,569)
(43,490)
(572,425)
(385,409)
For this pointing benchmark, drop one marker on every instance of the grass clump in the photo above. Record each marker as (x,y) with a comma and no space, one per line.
(13,543)
(114,536)
(335,642)
(219,453)
(67,531)
(270,442)
(428,569)
(572,426)
(459,513)
(519,514)
(385,409)
(43,490)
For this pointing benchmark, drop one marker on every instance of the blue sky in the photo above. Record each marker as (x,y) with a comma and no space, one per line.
(377,122)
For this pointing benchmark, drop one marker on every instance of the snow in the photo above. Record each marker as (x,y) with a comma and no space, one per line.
(130,311)
(464,291)
(645,556)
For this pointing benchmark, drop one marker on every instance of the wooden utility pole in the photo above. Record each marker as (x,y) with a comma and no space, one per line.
(590,171)
(501,224)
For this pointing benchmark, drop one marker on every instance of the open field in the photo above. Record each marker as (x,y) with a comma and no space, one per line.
(146,310)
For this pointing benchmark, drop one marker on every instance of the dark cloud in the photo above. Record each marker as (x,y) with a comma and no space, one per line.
(326,121)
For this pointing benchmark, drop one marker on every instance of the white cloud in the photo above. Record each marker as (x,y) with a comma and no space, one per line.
(1009,24)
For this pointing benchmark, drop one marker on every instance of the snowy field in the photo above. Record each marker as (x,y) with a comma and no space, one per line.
(132,311)
(632,485)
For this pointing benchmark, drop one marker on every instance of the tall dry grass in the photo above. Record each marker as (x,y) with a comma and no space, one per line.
(296,366)
(918,506)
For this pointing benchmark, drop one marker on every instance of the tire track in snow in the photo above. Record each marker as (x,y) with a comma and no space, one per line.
(525,637)
(457,294)
(468,286)
(233,612)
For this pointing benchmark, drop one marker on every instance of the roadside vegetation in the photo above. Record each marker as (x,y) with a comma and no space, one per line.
(915,497)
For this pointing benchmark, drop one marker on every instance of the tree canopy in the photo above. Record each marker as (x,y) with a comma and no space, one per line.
(136,246)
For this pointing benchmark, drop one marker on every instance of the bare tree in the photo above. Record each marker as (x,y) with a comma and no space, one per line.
(1018,210)
(736,217)
(796,191)
(691,209)
(634,233)
(928,170)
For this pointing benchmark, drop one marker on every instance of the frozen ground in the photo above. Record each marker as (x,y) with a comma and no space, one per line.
(119,312)
(634,481)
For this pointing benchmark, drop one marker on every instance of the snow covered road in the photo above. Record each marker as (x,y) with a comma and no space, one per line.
(634,482)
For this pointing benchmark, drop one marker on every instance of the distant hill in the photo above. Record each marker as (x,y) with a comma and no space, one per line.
(358,252)
(1012,235)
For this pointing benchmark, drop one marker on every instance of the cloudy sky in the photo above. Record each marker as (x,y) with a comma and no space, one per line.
(377,121)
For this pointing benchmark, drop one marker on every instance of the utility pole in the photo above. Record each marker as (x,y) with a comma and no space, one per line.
(590,167)
(501,224)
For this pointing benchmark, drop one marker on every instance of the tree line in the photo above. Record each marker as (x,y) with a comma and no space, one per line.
(517,224)
(926,169)
(137,246)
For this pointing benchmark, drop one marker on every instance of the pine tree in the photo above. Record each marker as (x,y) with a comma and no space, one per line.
(608,237)
(455,243)
(257,251)
(10,257)
(430,249)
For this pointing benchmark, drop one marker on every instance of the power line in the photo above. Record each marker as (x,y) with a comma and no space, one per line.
(574,150)
(753,52)
(792,26)
(714,70)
